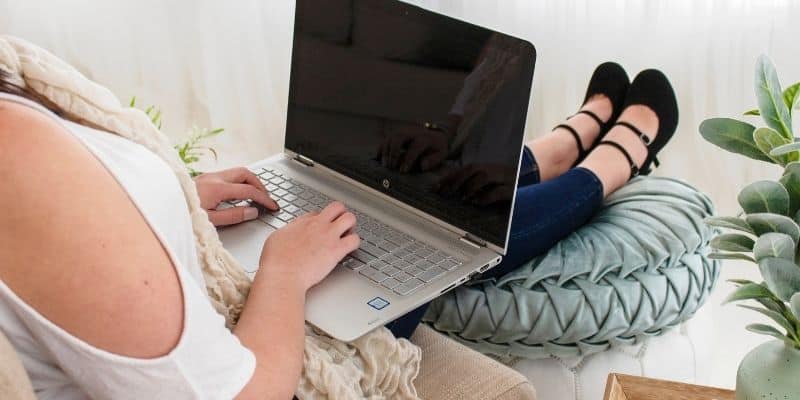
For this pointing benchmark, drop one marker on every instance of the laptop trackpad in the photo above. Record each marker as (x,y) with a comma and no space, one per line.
(244,242)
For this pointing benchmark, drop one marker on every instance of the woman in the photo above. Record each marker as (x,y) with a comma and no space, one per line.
(145,320)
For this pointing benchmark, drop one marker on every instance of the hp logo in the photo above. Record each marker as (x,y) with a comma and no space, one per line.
(386,184)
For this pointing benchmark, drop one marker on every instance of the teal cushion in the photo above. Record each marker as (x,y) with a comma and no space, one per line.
(637,268)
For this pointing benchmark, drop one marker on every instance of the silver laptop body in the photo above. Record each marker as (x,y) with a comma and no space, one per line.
(418,240)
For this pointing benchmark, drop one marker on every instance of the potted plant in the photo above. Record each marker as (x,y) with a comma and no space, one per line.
(766,233)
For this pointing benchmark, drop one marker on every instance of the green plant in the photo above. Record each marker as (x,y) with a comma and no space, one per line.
(767,231)
(192,148)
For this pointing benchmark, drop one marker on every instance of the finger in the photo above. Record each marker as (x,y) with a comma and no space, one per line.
(415,151)
(478,182)
(233,215)
(495,195)
(350,243)
(396,149)
(242,175)
(451,183)
(332,211)
(243,191)
(344,223)
(431,160)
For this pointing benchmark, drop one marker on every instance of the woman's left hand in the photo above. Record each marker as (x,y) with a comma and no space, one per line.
(232,184)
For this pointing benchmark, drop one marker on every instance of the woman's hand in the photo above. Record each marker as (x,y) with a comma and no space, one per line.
(232,184)
(310,246)
(408,147)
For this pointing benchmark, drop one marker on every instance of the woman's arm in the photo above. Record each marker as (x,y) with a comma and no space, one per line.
(294,259)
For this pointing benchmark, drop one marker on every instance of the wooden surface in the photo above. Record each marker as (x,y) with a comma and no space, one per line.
(627,387)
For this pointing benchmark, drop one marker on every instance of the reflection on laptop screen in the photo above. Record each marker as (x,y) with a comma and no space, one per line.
(425,108)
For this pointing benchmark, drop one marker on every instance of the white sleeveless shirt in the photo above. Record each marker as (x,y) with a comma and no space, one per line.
(209,362)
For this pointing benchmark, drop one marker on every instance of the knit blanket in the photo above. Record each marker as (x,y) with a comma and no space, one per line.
(637,268)
(375,366)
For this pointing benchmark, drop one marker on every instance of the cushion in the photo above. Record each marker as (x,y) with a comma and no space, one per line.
(638,267)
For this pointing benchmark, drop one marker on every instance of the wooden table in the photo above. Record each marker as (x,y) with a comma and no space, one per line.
(627,387)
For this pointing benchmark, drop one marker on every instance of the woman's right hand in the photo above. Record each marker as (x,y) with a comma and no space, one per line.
(307,249)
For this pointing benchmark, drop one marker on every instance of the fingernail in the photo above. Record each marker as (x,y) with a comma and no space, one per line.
(250,213)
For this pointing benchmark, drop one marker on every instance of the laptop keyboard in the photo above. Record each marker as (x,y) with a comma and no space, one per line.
(387,257)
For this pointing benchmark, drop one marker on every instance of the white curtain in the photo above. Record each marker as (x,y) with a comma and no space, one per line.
(226,64)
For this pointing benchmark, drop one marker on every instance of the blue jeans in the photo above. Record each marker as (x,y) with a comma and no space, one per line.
(544,213)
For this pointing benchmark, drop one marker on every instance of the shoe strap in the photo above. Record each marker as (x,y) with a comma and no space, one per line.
(634,168)
(578,141)
(644,138)
(593,116)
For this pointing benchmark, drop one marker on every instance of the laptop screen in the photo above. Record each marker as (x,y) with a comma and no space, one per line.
(425,108)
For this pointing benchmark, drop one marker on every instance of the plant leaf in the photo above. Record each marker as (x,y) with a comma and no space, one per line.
(729,223)
(782,276)
(732,242)
(730,256)
(748,291)
(770,98)
(767,139)
(774,244)
(791,181)
(764,196)
(763,223)
(785,149)
(764,329)
(734,136)
(754,113)
(791,96)
(740,281)
(775,316)
(770,303)
(794,304)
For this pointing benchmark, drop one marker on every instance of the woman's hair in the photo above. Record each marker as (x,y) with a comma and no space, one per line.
(7,85)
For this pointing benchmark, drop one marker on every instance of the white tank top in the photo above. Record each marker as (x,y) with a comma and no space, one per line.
(209,362)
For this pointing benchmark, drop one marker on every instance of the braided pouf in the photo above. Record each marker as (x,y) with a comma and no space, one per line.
(637,268)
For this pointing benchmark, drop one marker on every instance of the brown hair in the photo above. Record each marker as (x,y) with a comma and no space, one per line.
(8,86)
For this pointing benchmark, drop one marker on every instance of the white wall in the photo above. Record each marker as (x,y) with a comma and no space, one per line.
(226,64)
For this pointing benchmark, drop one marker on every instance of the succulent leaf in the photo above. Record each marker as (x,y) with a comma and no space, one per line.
(767,140)
(734,136)
(770,98)
(782,276)
(791,96)
(748,291)
(774,244)
(763,223)
(791,181)
(764,197)
(729,223)
(775,316)
(789,147)
(732,242)
(764,329)
(794,304)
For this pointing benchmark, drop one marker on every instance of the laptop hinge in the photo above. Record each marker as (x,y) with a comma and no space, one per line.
(473,241)
(304,160)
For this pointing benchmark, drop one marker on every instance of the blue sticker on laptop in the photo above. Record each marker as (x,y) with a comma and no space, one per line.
(378,303)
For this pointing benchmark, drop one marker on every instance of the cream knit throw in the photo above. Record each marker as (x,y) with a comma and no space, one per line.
(376,366)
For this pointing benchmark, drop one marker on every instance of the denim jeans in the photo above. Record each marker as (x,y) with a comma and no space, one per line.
(544,213)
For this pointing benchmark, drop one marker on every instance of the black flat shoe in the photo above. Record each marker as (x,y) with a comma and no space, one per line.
(611,80)
(652,89)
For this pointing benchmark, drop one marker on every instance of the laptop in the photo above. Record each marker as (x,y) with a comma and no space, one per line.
(415,121)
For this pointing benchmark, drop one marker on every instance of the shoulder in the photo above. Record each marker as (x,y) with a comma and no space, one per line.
(79,252)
